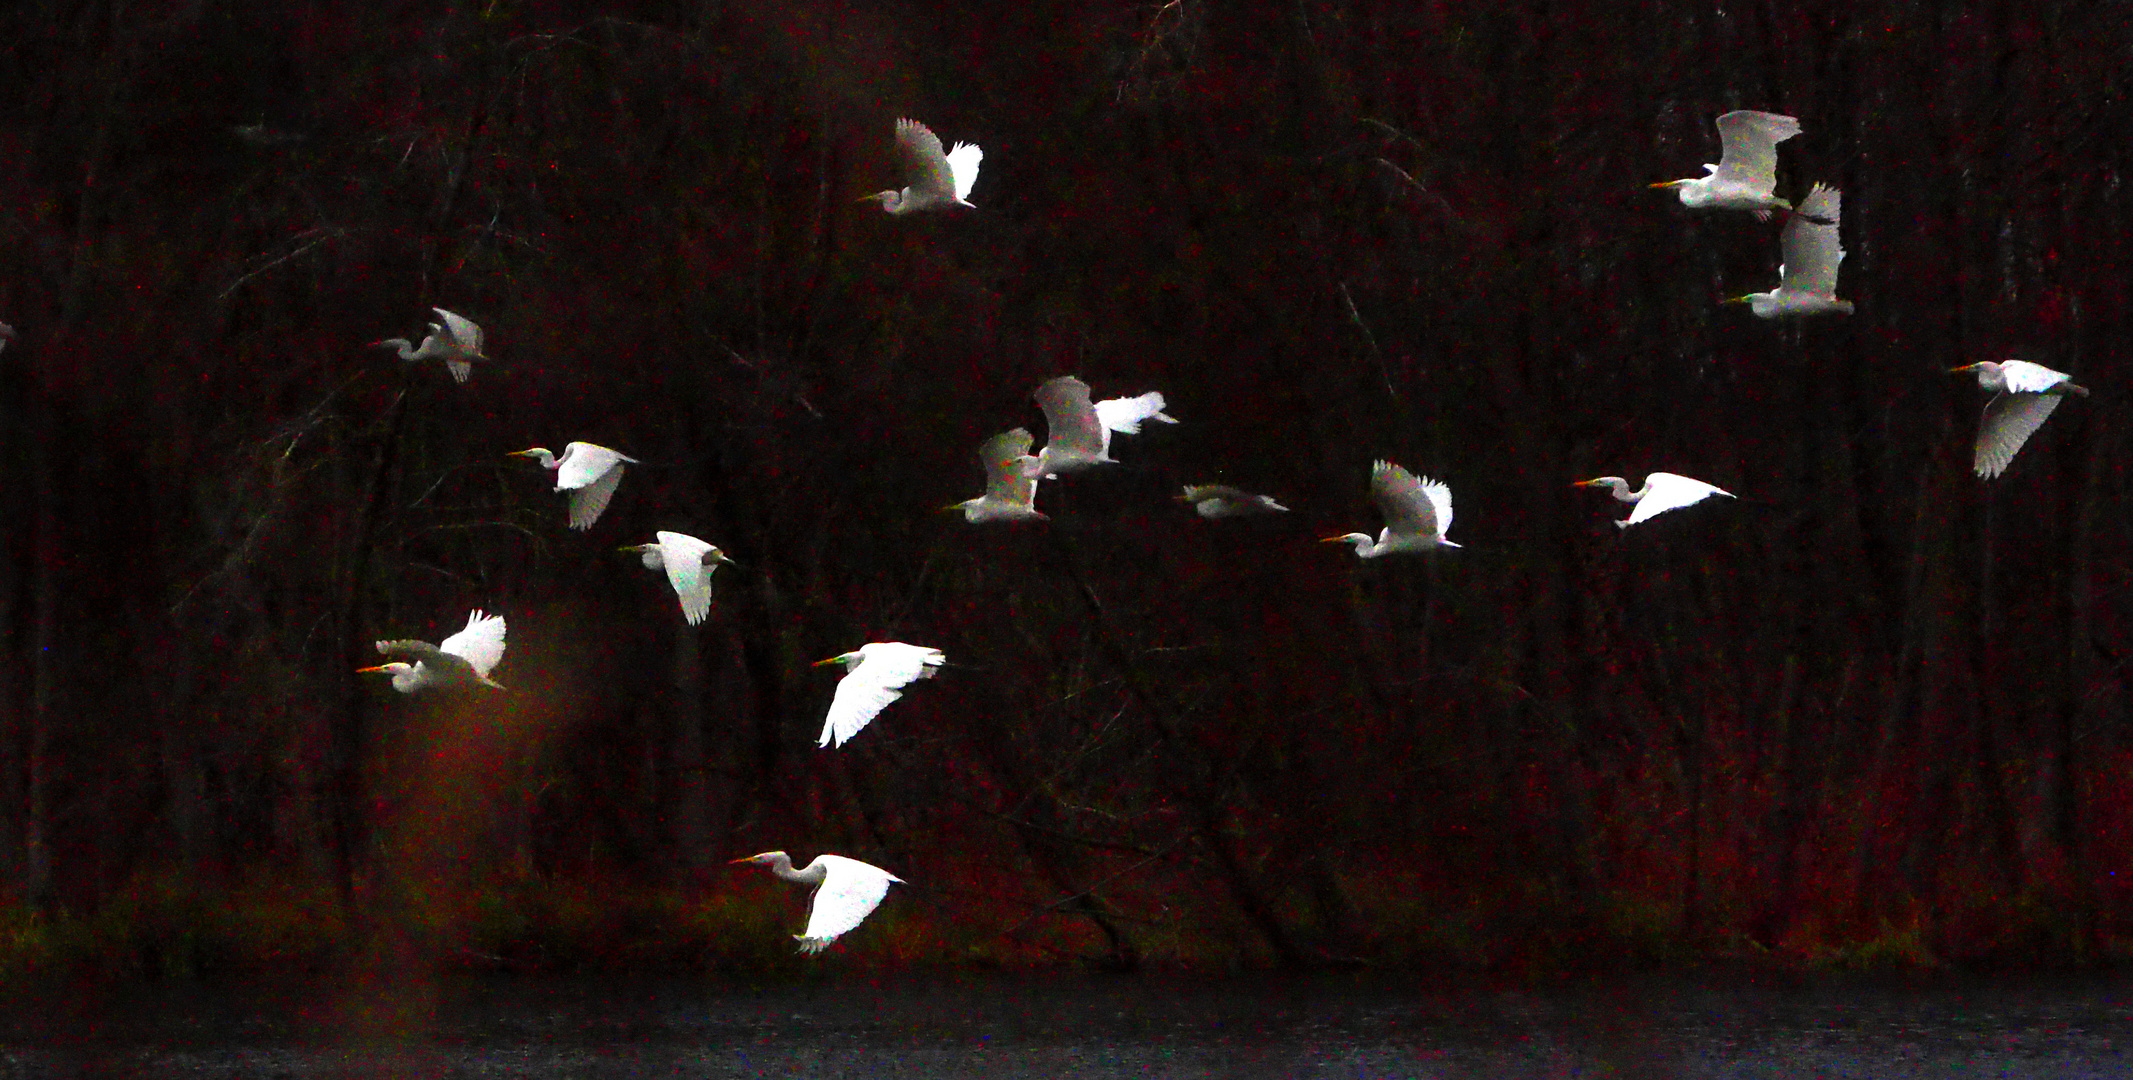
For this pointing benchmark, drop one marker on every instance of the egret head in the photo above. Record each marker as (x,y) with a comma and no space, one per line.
(845,658)
(1346,538)
(764,859)
(891,201)
(1602,481)
(394,668)
(539,453)
(1982,365)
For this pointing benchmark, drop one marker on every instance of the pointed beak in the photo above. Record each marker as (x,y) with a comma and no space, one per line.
(736,862)
(1734,300)
(1585,483)
(824,663)
(364,670)
(1331,539)
(1965,367)
(1666,184)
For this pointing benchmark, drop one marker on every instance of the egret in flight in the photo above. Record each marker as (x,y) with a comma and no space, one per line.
(1078,431)
(2023,396)
(588,472)
(846,892)
(1662,491)
(875,675)
(457,343)
(1010,490)
(1417,513)
(1808,276)
(463,659)
(1745,177)
(688,563)
(937,179)
(1222,501)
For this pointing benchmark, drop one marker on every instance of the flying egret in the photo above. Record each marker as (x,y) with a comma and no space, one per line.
(937,179)
(1745,177)
(1417,513)
(1808,276)
(463,659)
(457,343)
(689,563)
(2023,396)
(846,892)
(1078,431)
(588,472)
(1662,491)
(875,675)
(1010,492)
(1222,501)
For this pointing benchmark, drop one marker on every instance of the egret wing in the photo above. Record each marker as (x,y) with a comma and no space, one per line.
(583,463)
(1069,416)
(1408,510)
(463,331)
(588,502)
(1005,455)
(930,169)
(850,891)
(1125,414)
(963,165)
(684,559)
(1749,147)
(1668,491)
(2010,419)
(417,651)
(1811,248)
(884,670)
(481,644)
(1197,493)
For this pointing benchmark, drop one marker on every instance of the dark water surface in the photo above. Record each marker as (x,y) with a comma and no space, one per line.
(852,1025)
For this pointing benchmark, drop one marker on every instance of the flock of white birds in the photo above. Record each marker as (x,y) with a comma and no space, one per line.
(1417,511)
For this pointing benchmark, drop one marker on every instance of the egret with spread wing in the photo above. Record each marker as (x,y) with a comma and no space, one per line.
(1662,491)
(464,659)
(937,179)
(1010,490)
(1078,431)
(1417,513)
(689,563)
(875,675)
(2023,397)
(588,472)
(1745,177)
(846,892)
(1222,501)
(457,342)
(1808,276)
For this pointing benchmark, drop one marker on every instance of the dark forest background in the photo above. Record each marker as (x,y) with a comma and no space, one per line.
(1874,707)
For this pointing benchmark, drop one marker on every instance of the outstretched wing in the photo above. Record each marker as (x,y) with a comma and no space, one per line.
(963,165)
(850,891)
(1005,455)
(1125,414)
(1069,416)
(1749,147)
(1670,491)
(1811,248)
(684,559)
(463,331)
(2010,419)
(583,463)
(885,668)
(930,171)
(588,502)
(1408,510)
(481,644)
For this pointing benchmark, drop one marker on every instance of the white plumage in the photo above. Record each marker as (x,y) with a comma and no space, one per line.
(875,675)
(590,473)
(1010,489)
(1078,431)
(1222,501)
(1745,177)
(457,342)
(1808,276)
(2023,397)
(1662,491)
(689,563)
(937,179)
(846,891)
(1417,513)
(463,659)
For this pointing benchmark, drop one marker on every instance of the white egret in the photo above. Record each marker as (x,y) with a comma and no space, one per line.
(588,472)
(1745,177)
(937,179)
(457,343)
(1417,513)
(2023,397)
(1808,276)
(1078,431)
(689,563)
(463,659)
(875,675)
(1010,492)
(1222,501)
(1662,491)
(846,892)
